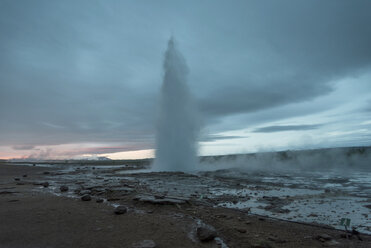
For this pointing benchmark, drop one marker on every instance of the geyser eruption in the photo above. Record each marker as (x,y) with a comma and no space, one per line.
(178,125)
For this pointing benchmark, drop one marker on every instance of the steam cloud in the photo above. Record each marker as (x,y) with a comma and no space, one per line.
(178,125)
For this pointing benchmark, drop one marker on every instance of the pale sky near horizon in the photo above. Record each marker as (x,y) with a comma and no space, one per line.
(82,78)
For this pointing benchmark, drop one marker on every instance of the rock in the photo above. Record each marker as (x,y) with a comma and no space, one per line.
(205,234)
(45,184)
(161,201)
(20,183)
(323,237)
(241,230)
(46,172)
(99,200)
(24,175)
(85,192)
(86,198)
(332,243)
(63,188)
(145,244)
(120,210)
(221,216)
(17,179)
(344,236)
(276,240)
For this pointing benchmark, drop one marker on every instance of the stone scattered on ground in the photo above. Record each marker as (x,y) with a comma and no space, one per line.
(17,179)
(99,200)
(85,192)
(241,230)
(205,234)
(160,201)
(276,240)
(145,244)
(45,184)
(86,198)
(331,243)
(120,210)
(63,188)
(323,237)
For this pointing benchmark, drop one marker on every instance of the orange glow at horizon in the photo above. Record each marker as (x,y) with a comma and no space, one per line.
(139,154)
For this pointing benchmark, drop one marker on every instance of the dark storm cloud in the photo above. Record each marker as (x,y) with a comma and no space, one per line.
(90,71)
(271,129)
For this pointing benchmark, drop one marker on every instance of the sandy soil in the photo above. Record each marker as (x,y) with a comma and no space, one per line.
(30,217)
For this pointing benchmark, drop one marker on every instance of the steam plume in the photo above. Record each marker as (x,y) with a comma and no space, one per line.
(178,127)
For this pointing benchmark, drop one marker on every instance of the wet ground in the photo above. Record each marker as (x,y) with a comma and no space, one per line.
(311,197)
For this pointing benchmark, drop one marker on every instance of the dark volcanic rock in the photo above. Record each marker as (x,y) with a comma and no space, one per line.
(46,172)
(45,184)
(241,230)
(25,175)
(205,234)
(145,244)
(161,201)
(324,237)
(63,188)
(86,198)
(99,200)
(17,179)
(120,210)
(85,192)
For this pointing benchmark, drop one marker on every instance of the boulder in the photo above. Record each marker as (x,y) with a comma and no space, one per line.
(323,237)
(85,192)
(120,210)
(86,198)
(205,234)
(63,188)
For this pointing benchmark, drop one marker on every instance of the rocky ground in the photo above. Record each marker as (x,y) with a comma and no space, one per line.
(94,207)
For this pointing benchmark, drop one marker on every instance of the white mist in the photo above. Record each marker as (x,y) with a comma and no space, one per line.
(178,126)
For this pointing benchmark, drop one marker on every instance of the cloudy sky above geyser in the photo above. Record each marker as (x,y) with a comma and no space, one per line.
(81,78)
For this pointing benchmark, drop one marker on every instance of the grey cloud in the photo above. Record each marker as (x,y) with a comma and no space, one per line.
(90,71)
(23,147)
(271,129)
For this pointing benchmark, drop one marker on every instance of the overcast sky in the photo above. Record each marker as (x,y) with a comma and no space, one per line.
(82,78)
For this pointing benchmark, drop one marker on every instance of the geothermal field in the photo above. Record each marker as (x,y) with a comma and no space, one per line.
(284,204)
